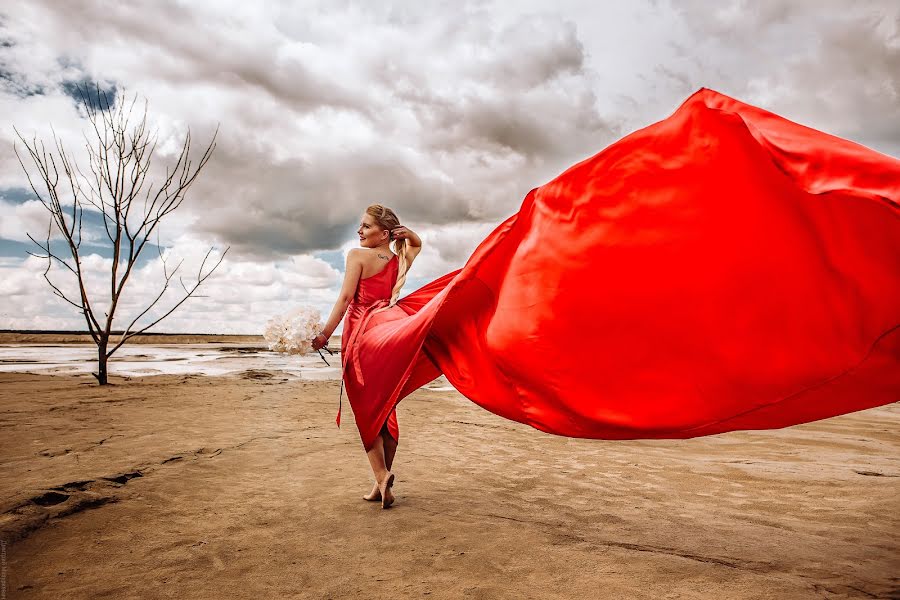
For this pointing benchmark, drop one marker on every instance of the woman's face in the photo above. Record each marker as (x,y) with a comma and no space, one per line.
(371,235)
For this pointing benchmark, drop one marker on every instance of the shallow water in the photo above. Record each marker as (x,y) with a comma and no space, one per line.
(169,359)
(140,360)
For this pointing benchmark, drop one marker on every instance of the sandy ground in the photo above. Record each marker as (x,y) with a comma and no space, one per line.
(242,487)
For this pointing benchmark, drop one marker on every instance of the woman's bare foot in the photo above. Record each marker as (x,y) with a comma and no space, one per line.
(387,497)
(374,495)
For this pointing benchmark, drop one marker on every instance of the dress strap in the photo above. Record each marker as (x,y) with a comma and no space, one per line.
(340,397)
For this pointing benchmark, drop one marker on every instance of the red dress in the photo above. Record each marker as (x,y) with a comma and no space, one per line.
(371,292)
(722,269)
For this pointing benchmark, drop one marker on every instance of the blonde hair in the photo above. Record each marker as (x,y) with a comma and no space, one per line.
(387,219)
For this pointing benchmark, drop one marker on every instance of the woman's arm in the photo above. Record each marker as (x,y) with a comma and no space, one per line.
(413,242)
(348,289)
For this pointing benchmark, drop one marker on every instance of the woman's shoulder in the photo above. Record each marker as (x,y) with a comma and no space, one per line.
(372,253)
(370,259)
(364,253)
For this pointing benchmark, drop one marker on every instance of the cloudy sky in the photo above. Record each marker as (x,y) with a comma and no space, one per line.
(449,112)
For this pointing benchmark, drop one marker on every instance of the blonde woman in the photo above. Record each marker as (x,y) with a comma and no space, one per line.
(373,278)
(631,298)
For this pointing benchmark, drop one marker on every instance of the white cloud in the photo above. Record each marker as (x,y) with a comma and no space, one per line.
(238,298)
(19,219)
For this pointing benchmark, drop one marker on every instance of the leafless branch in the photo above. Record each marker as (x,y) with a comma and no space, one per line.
(201,277)
(119,148)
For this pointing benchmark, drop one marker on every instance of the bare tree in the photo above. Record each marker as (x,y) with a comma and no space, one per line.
(115,185)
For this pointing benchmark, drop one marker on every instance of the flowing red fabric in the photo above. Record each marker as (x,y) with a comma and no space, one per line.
(722,269)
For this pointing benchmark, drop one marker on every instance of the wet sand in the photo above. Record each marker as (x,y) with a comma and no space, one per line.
(242,487)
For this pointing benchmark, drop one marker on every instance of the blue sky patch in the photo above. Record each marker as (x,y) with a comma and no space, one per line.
(335,258)
(17,195)
(98,97)
(15,249)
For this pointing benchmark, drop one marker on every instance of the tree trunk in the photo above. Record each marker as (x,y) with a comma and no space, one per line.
(101,363)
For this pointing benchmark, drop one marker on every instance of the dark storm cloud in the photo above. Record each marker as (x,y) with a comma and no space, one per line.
(519,108)
(520,88)
(297,207)
(533,127)
(518,111)
(190,50)
(447,114)
(17,84)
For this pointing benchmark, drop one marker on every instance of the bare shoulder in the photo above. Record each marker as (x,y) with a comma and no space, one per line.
(368,255)
(356,257)
(356,254)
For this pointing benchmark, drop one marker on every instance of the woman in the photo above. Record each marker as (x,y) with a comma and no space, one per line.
(374,274)
(722,269)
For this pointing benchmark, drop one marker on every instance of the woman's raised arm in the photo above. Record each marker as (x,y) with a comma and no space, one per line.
(413,242)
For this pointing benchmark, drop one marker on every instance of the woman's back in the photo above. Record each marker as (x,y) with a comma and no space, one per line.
(377,286)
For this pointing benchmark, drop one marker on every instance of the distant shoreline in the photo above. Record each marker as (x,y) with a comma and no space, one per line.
(21,336)
(149,333)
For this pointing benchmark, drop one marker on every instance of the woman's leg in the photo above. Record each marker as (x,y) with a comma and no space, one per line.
(390,447)
(381,460)
(382,475)
(377,459)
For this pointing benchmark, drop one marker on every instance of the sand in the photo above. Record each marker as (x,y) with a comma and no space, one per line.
(242,487)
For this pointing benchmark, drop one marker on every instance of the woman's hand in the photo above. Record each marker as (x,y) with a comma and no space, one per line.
(401,233)
(320,341)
